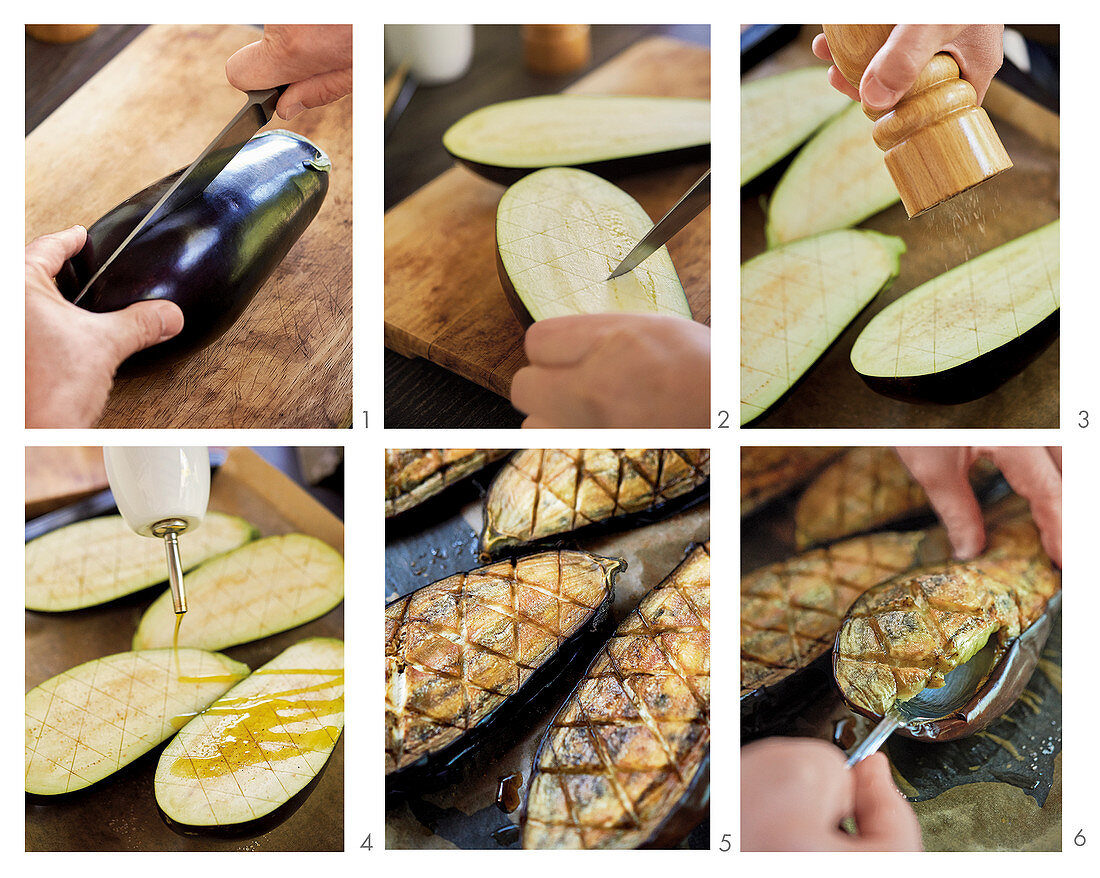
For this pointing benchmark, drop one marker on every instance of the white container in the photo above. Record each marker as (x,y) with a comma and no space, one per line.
(154,484)
(436,53)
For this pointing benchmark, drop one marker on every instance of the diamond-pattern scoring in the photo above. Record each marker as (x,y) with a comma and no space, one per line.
(771,470)
(791,610)
(541,492)
(261,743)
(415,474)
(456,649)
(964,313)
(626,745)
(561,231)
(88,722)
(267,586)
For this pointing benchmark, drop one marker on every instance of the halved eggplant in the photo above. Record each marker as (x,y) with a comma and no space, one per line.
(779,112)
(768,472)
(466,655)
(87,723)
(796,300)
(609,135)
(964,333)
(212,254)
(101,559)
(262,588)
(255,748)
(542,492)
(415,474)
(837,180)
(560,232)
(621,760)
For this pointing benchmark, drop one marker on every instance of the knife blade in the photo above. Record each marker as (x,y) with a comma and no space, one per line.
(683,212)
(257,111)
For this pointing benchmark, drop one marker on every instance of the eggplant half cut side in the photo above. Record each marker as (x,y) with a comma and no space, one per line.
(211,254)
(469,656)
(560,232)
(610,135)
(963,334)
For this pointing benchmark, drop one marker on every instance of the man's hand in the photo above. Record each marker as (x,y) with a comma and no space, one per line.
(796,791)
(615,370)
(977,48)
(1035,473)
(72,354)
(315,59)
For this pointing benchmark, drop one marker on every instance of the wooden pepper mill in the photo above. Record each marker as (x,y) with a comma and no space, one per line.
(937,141)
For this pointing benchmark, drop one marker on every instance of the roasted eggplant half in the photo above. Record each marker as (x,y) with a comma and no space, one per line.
(768,472)
(466,655)
(415,474)
(89,722)
(101,559)
(254,749)
(560,232)
(623,764)
(539,493)
(609,135)
(210,255)
(961,335)
(907,634)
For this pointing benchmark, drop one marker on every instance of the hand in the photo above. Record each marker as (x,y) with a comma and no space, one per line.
(1035,473)
(977,48)
(615,370)
(72,354)
(314,58)
(796,791)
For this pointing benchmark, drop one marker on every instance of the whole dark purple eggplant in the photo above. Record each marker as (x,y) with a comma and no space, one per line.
(212,254)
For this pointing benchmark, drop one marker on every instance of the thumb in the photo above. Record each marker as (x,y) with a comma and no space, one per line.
(255,66)
(900,61)
(141,325)
(886,821)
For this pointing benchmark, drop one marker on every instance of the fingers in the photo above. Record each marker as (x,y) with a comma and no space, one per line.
(255,66)
(565,341)
(980,53)
(49,252)
(837,81)
(554,394)
(943,473)
(899,62)
(1036,475)
(820,47)
(885,820)
(317,91)
(139,326)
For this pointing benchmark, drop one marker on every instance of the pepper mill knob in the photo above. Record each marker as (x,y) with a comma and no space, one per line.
(937,141)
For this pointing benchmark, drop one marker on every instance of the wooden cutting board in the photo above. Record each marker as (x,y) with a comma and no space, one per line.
(443,299)
(287,360)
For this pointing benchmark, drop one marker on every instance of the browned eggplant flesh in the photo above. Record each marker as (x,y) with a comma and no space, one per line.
(539,493)
(624,763)
(415,474)
(770,471)
(465,654)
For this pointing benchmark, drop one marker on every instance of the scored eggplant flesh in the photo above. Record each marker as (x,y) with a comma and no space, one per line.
(415,474)
(771,471)
(461,649)
(621,756)
(542,492)
(907,634)
(791,610)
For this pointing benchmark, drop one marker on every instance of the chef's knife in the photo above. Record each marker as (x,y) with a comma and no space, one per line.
(685,210)
(257,112)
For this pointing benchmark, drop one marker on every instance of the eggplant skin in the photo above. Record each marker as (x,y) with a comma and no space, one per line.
(622,763)
(415,474)
(210,255)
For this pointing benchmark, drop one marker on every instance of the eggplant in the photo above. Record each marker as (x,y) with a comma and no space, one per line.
(609,135)
(768,472)
(796,300)
(415,474)
(255,748)
(262,588)
(837,180)
(624,762)
(868,488)
(467,655)
(89,722)
(101,559)
(210,255)
(779,112)
(540,493)
(560,232)
(963,334)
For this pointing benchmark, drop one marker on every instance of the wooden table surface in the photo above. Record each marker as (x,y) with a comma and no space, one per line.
(419,393)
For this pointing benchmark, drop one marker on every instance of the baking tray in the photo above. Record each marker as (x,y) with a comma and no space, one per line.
(120,813)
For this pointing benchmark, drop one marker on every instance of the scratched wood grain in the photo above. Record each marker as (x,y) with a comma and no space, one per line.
(287,361)
(443,299)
